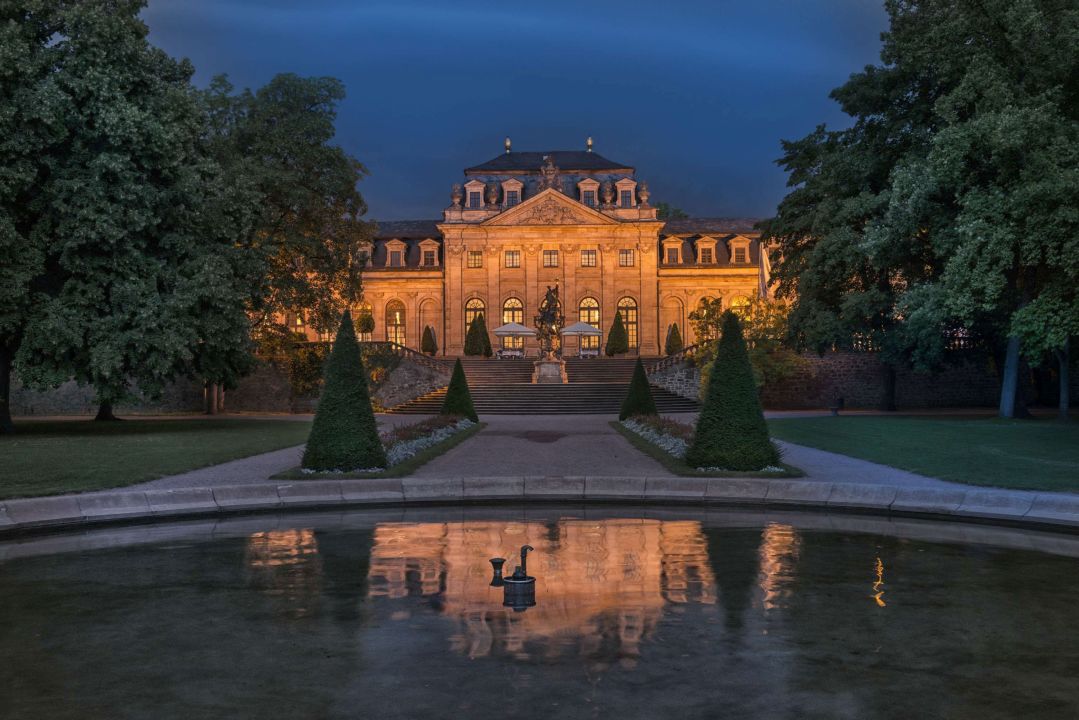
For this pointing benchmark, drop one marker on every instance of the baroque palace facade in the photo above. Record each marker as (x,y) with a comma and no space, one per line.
(528,220)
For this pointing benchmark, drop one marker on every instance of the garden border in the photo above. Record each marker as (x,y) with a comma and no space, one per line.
(1003,507)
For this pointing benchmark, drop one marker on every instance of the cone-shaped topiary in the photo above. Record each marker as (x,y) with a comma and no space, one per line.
(617,338)
(639,399)
(674,340)
(731,432)
(428,344)
(458,397)
(476,341)
(344,435)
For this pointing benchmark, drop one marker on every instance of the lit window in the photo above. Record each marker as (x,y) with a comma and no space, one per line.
(672,256)
(473,308)
(475,258)
(513,311)
(625,258)
(590,198)
(550,258)
(395,322)
(588,312)
(588,258)
(740,255)
(627,198)
(513,258)
(706,256)
(512,197)
(627,308)
(395,258)
(475,200)
(429,258)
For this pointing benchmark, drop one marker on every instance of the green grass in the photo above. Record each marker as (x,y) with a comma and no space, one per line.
(48,457)
(401,469)
(677,467)
(1022,454)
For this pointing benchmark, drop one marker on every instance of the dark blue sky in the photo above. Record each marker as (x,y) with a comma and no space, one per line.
(695,95)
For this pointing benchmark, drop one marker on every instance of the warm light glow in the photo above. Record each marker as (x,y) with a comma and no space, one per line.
(596,581)
(878,593)
(779,553)
(286,564)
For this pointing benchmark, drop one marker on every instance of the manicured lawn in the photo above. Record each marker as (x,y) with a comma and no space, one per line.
(50,457)
(1024,454)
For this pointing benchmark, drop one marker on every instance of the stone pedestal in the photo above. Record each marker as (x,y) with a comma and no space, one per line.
(549,372)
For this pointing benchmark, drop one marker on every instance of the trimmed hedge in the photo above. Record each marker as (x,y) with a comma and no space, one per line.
(428,344)
(476,341)
(617,338)
(731,433)
(458,399)
(639,399)
(673,343)
(344,435)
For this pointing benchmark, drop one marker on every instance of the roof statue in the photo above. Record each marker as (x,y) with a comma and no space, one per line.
(550,175)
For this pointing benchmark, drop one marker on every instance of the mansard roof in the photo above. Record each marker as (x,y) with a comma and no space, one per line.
(567,161)
(407,229)
(710,226)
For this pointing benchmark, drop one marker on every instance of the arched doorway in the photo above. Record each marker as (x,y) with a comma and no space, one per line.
(395,322)
(473,308)
(588,312)
(627,308)
(513,311)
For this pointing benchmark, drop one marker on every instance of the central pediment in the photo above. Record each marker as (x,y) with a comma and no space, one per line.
(550,207)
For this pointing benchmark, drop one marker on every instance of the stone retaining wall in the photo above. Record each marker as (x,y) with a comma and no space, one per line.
(859,379)
(1048,510)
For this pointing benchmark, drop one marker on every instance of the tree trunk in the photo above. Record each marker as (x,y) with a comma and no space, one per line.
(104,413)
(221,399)
(1065,391)
(887,400)
(211,398)
(1009,386)
(6,425)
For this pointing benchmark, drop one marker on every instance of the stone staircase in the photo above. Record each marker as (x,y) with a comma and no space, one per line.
(504,387)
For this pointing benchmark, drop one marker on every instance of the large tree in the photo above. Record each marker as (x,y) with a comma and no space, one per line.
(309,242)
(949,203)
(132,273)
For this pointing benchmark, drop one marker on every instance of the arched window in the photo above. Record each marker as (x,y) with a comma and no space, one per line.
(473,308)
(627,308)
(364,321)
(395,322)
(513,311)
(707,318)
(740,305)
(588,312)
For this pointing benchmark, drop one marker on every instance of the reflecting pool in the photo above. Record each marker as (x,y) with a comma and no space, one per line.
(639,614)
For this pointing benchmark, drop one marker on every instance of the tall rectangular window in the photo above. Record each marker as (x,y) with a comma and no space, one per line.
(475,200)
(428,258)
(513,258)
(740,255)
(590,198)
(672,256)
(512,197)
(550,258)
(588,258)
(395,258)
(475,258)
(627,198)
(625,258)
(706,256)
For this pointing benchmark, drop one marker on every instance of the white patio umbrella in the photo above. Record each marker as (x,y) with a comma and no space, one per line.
(513,330)
(581,328)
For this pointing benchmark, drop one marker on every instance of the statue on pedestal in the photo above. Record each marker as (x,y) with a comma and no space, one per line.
(549,321)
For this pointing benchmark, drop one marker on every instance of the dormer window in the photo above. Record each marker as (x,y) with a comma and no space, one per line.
(626,198)
(626,193)
(395,253)
(512,192)
(706,250)
(740,255)
(428,253)
(672,251)
(589,191)
(706,256)
(475,200)
(672,256)
(739,250)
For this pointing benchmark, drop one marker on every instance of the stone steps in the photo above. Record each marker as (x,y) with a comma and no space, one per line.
(529,399)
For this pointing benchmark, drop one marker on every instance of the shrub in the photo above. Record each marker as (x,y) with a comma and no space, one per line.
(428,344)
(639,398)
(344,435)
(365,322)
(674,340)
(731,432)
(476,341)
(458,397)
(617,338)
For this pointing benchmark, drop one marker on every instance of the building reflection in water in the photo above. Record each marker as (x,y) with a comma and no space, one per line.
(598,583)
(780,545)
(286,564)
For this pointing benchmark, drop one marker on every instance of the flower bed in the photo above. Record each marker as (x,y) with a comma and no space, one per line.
(401,443)
(673,438)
